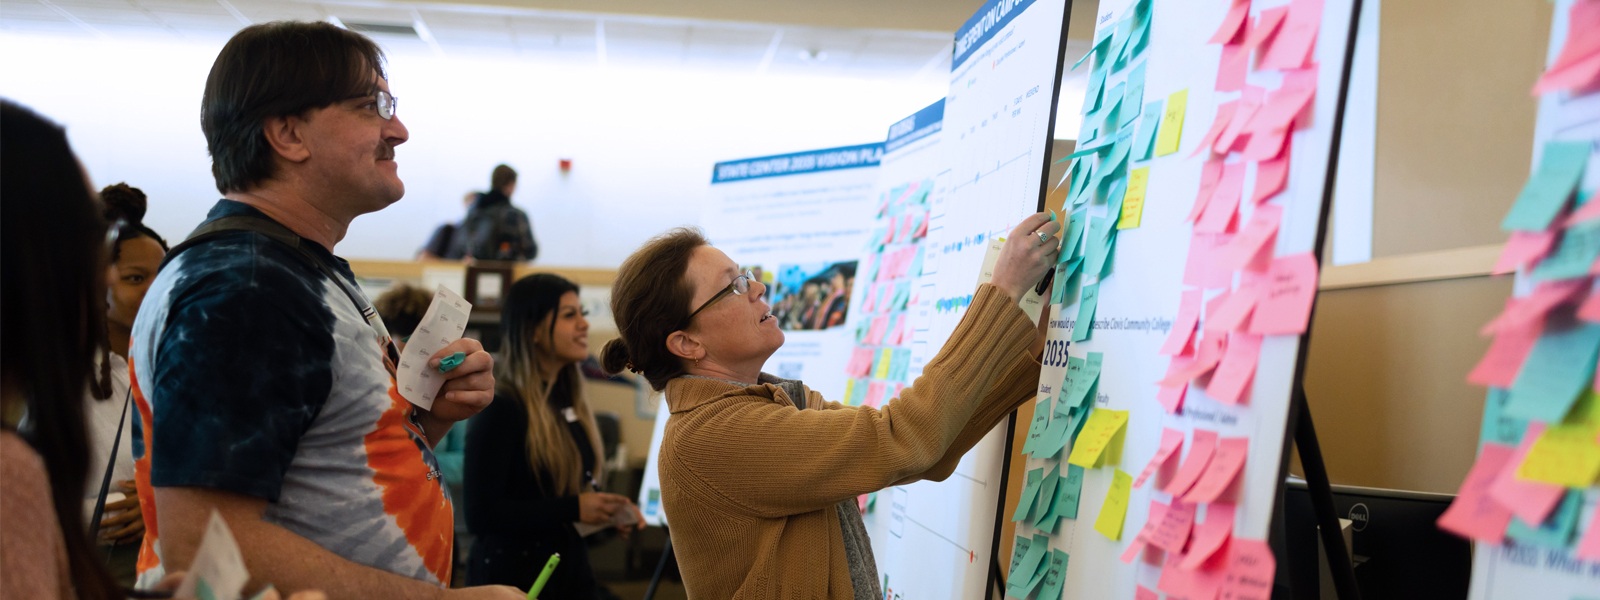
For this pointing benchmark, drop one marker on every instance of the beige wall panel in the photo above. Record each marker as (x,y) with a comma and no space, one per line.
(1386,380)
(1455,121)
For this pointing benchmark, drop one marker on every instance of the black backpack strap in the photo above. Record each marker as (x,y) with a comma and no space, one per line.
(280,234)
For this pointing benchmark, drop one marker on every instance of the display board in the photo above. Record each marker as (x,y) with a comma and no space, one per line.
(800,220)
(1158,446)
(1530,500)
(989,159)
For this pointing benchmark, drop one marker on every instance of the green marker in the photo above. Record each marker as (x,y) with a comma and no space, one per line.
(538,584)
(449,363)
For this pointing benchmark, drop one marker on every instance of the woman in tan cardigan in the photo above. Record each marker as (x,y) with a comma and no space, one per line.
(759,474)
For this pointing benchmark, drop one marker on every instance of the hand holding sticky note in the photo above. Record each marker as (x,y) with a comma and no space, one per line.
(441,326)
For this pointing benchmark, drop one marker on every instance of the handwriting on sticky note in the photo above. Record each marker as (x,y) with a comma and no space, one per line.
(1530,501)
(1210,535)
(1030,491)
(1558,368)
(1115,508)
(1183,325)
(1565,455)
(1133,201)
(1237,369)
(1201,448)
(1172,123)
(1251,569)
(1171,441)
(1173,531)
(1252,247)
(1285,304)
(1222,210)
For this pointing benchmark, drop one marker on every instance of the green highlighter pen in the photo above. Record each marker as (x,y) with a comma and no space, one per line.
(538,584)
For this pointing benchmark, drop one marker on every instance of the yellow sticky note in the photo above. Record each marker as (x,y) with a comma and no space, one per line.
(1171,131)
(1098,432)
(1133,201)
(849,386)
(1565,454)
(883,364)
(1115,509)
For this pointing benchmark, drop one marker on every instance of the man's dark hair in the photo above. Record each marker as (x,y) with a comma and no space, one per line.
(278,69)
(502,176)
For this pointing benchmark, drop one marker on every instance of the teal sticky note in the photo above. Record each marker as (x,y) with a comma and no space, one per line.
(1113,107)
(1073,242)
(1037,549)
(1141,29)
(899,364)
(1029,492)
(1068,492)
(1555,372)
(1046,497)
(1548,189)
(1099,248)
(1091,374)
(1041,420)
(1557,529)
(916,263)
(1099,48)
(1086,306)
(858,392)
(1082,193)
(1579,247)
(1065,286)
(1133,96)
(1497,427)
(1119,42)
(1054,576)
(1110,253)
(1055,436)
(1144,143)
(1018,550)
(1119,190)
(1097,87)
(902,295)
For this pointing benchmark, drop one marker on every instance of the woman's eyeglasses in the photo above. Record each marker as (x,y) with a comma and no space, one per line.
(739,287)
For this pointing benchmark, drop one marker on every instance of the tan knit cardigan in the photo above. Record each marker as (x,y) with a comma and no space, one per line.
(749,482)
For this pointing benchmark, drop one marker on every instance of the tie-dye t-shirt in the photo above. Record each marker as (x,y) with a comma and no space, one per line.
(254,373)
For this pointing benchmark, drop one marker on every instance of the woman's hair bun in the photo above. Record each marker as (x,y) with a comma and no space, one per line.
(123,201)
(614,357)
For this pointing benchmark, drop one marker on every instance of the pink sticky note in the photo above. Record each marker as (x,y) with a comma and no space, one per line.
(1152,520)
(1210,175)
(880,325)
(1526,247)
(893,339)
(1183,326)
(874,397)
(869,302)
(1583,34)
(1171,396)
(1534,306)
(1588,212)
(1232,23)
(1237,369)
(1233,313)
(1294,42)
(1589,544)
(1224,116)
(1266,25)
(1222,211)
(1207,356)
(1579,75)
(905,228)
(1202,583)
(1251,248)
(922,228)
(1197,268)
(1143,593)
(1474,514)
(1201,448)
(1209,536)
(1283,106)
(1590,309)
(885,297)
(1530,501)
(1219,474)
(1250,102)
(1171,441)
(1500,365)
(1251,569)
(1173,532)
(1271,175)
(1285,304)
(860,362)
(1266,146)
(1233,67)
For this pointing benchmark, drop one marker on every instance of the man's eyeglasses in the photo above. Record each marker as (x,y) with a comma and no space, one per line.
(386,103)
(739,287)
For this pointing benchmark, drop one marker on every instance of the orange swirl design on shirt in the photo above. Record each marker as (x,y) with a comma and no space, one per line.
(148,559)
(412,492)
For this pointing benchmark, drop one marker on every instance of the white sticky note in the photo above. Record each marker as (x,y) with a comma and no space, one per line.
(442,325)
(217,567)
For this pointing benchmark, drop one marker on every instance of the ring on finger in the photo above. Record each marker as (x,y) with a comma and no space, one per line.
(1044,238)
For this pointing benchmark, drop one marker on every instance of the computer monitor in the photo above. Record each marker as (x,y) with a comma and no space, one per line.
(1399,551)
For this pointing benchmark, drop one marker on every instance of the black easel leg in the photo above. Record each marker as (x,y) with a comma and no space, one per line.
(661,567)
(1305,438)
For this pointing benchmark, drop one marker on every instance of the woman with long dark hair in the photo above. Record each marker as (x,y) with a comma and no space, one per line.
(533,457)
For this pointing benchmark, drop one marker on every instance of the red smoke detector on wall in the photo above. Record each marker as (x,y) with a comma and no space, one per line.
(566,165)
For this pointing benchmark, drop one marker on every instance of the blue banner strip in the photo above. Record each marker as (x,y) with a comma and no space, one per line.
(813,161)
(924,123)
(994,16)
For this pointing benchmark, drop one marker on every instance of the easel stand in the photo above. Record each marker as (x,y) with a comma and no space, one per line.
(661,567)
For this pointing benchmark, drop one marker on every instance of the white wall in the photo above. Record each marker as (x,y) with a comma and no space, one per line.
(642,141)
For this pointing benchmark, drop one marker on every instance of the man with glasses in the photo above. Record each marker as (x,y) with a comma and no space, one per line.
(264,379)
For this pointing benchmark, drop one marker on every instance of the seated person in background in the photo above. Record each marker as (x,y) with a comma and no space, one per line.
(136,254)
(441,245)
(494,229)
(759,475)
(534,455)
(264,378)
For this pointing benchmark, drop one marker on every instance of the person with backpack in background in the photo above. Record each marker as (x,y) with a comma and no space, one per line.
(494,229)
